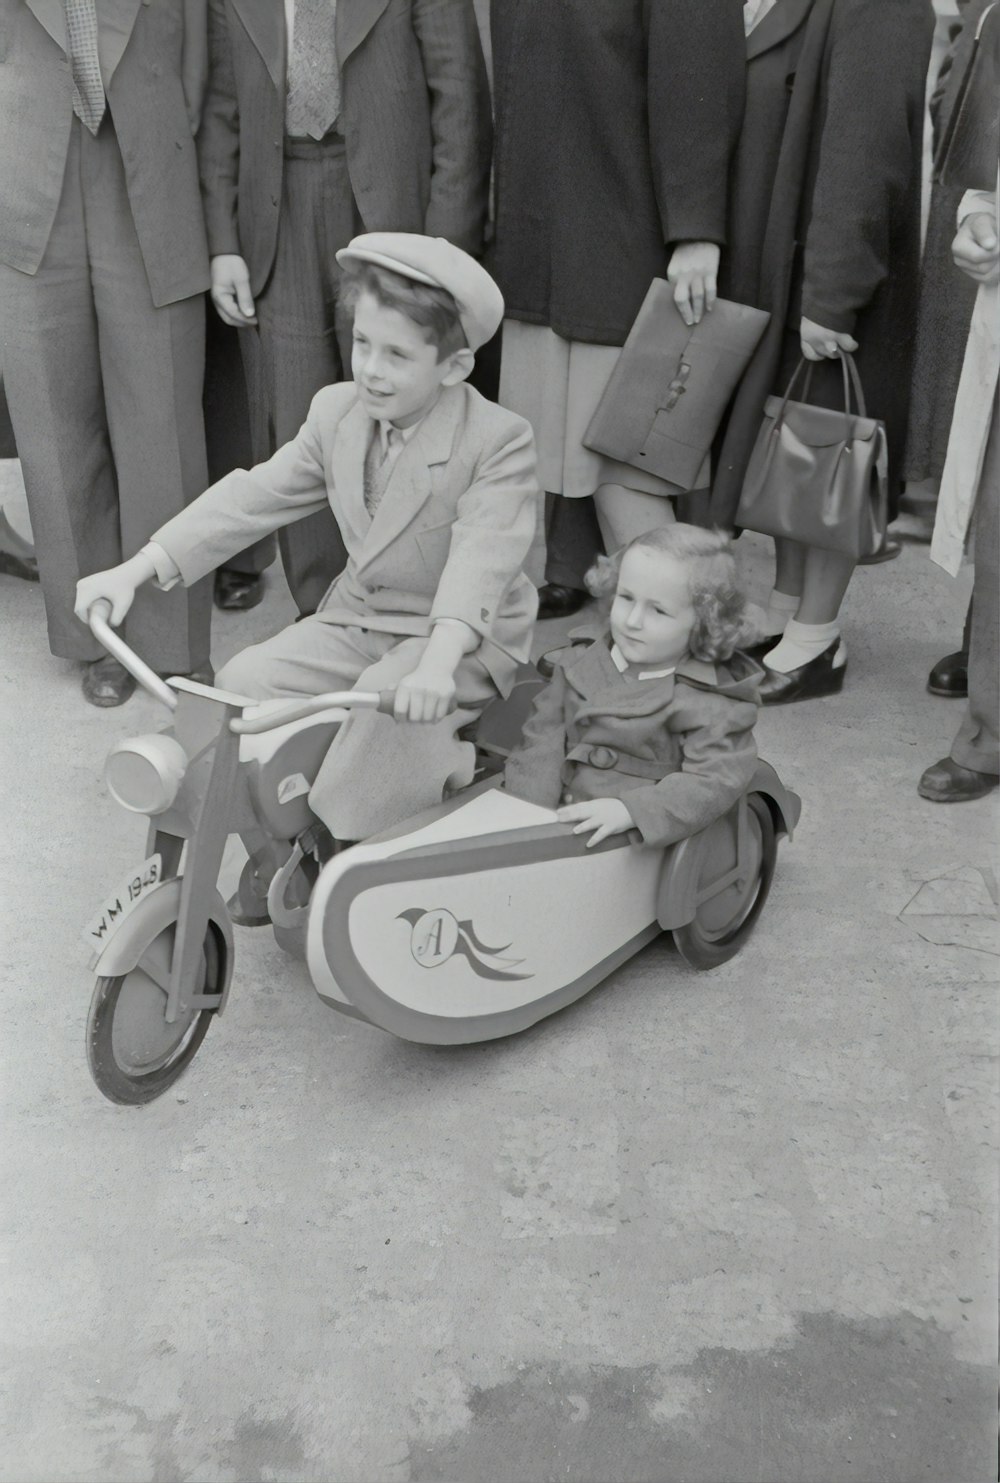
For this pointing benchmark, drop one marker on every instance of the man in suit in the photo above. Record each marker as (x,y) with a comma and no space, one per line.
(103,265)
(325,118)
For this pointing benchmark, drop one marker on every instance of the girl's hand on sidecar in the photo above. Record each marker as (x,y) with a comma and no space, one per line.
(117,585)
(606,816)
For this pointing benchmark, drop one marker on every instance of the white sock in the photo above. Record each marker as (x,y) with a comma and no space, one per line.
(801,642)
(781,606)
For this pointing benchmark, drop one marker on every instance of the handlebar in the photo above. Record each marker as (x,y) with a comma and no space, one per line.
(116,646)
(298,710)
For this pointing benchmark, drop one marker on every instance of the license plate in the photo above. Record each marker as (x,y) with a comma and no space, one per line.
(116,907)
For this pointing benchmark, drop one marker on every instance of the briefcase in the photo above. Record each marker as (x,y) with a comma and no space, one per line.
(671,385)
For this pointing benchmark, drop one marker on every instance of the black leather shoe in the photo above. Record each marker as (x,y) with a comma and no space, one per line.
(235,592)
(887,551)
(949,782)
(106,682)
(556,601)
(817,677)
(950,676)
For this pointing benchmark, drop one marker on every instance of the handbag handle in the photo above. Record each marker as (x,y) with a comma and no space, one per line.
(851,379)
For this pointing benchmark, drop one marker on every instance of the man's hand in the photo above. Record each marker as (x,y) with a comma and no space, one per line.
(230,290)
(118,585)
(976,249)
(605,816)
(819,343)
(694,273)
(428,694)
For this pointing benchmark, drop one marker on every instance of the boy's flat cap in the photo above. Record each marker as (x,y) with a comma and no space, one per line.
(440,263)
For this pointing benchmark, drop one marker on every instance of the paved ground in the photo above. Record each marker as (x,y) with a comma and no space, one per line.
(734,1228)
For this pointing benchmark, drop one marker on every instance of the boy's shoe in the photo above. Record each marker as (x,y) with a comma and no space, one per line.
(106,682)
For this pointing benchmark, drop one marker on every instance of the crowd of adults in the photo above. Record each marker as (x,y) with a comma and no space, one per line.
(187,170)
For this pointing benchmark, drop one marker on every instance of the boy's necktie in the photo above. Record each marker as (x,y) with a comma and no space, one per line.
(312,98)
(379,466)
(89,101)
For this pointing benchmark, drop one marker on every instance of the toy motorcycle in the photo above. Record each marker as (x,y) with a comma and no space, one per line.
(470,921)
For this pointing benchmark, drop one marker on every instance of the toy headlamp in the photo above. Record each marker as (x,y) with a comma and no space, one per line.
(144,773)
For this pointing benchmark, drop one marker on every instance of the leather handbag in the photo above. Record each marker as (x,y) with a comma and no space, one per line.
(816,475)
(671,385)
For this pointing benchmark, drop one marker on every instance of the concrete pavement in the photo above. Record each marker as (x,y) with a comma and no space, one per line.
(726,1228)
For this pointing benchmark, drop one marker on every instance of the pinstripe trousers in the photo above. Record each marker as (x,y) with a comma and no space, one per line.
(104,391)
(299,346)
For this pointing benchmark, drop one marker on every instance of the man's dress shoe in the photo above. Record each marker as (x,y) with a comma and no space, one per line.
(106,682)
(950,676)
(948,782)
(556,601)
(819,676)
(235,592)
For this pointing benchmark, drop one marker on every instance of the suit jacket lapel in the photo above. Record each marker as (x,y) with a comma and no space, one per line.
(264,21)
(52,15)
(777,25)
(116,21)
(347,458)
(355,19)
(411,486)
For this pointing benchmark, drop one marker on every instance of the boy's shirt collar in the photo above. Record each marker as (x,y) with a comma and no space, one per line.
(403,434)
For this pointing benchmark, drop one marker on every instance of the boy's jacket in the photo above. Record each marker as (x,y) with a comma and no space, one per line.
(679,750)
(450,538)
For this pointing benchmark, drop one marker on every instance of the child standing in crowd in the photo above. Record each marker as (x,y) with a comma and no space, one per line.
(651,726)
(435,494)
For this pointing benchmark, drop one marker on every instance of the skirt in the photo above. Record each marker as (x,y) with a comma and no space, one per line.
(556,384)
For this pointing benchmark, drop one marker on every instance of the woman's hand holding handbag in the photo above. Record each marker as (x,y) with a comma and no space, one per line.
(818,476)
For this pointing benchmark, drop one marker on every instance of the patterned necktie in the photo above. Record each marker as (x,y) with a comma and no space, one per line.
(89,101)
(312,101)
(379,465)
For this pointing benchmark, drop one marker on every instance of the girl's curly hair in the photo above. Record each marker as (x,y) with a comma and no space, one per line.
(721,624)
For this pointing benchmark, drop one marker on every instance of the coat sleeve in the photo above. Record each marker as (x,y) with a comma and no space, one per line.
(534,771)
(718,759)
(219,138)
(244,506)
(461,123)
(696,85)
(878,57)
(493,532)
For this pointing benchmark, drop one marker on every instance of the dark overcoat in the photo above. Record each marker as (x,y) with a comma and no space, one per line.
(615,121)
(834,125)
(679,749)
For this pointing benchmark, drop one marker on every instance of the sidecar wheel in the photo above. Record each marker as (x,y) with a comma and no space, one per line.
(133,1054)
(723,923)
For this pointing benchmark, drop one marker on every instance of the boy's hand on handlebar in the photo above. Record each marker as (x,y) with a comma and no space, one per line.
(428,694)
(117,585)
(605,816)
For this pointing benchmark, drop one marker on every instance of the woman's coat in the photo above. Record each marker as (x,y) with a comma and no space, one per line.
(615,122)
(834,120)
